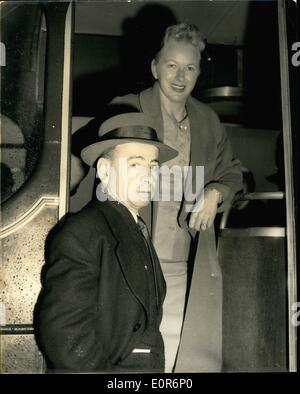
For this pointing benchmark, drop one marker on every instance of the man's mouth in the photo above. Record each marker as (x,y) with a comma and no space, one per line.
(145,195)
(145,191)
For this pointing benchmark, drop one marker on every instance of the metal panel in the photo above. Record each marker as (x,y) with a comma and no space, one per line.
(23,258)
(29,215)
(19,354)
(254,303)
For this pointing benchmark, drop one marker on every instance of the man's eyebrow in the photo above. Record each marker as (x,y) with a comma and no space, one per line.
(136,157)
(142,158)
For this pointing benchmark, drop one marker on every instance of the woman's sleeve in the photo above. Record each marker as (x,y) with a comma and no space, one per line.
(227,177)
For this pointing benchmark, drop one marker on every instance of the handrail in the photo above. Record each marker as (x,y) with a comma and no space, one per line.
(250,197)
(262,196)
(222,92)
(278,232)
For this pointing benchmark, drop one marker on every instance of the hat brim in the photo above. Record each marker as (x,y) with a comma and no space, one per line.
(92,152)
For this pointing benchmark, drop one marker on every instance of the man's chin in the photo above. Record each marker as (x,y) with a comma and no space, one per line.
(144,199)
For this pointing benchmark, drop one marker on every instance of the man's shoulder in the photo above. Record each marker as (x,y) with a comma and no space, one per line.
(86,223)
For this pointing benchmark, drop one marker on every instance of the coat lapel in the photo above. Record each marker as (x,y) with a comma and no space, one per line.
(201,149)
(130,254)
(201,139)
(150,104)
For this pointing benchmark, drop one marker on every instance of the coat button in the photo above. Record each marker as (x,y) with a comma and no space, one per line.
(136,327)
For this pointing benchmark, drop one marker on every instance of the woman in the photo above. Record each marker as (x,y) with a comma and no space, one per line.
(194,130)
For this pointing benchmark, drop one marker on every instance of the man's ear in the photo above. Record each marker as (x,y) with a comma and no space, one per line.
(153,68)
(103,169)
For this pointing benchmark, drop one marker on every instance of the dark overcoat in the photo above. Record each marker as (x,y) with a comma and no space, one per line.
(93,307)
(201,340)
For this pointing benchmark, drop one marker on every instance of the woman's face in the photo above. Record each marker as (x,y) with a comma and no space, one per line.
(177,70)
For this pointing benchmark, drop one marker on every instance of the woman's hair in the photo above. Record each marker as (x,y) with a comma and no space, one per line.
(185,32)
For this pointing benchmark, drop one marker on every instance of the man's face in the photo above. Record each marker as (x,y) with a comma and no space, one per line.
(135,166)
(177,70)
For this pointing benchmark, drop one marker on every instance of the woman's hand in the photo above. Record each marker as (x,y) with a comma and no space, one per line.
(204,218)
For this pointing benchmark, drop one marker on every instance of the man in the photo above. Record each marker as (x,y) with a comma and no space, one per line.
(103,289)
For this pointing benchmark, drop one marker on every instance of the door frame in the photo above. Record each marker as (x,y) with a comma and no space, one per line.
(289,183)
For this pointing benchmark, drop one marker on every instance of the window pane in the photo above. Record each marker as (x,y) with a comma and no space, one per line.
(23,32)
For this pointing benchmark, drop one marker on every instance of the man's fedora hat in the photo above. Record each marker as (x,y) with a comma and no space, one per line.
(124,128)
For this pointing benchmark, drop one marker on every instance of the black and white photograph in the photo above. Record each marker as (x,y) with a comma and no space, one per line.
(149,189)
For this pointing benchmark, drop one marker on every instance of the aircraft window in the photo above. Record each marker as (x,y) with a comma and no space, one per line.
(22,93)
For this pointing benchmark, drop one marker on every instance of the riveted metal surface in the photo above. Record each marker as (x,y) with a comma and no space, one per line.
(23,258)
(19,354)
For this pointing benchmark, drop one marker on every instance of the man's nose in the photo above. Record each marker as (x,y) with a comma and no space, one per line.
(150,177)
(146,175)
(146,178)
